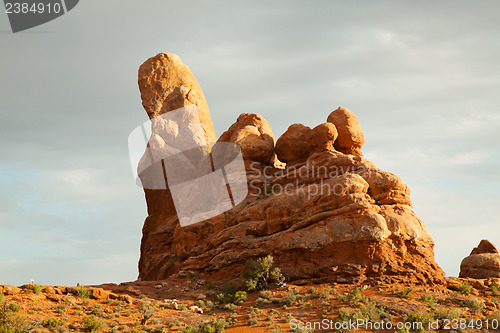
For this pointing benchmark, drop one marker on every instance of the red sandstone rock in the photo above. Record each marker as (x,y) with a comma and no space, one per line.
(322,137)
(9,290)
(485,246)
(331,215)
(482,263)
(293,144)
(167,84)
(350,137)
(254,136)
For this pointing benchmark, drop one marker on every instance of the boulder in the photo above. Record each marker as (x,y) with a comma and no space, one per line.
(482,263)
(350,137)
(254,136)
(293,145)
(485,246)
(166,84)
(9,290)
(322,137)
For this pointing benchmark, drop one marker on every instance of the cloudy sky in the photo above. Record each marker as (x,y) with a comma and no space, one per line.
(423,79)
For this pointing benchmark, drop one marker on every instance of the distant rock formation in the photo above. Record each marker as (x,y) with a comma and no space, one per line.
(328,215)
(482,263)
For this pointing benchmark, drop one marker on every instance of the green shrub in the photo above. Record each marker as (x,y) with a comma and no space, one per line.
(419,320)
(474,304)
(494,289)
(200,304)
(96,310)
(93,324)
(428,299)
(346,314)
(83,292)
(147,310)
(253,321)
(353,298)
(290,298)
(51,322)
(261,273)
(405,293)
(230,307)
(14,307)
(12,321)
(215,326)
(231,294)
(374,312)
(232,319)
(325,291)
(37,289)
(465,288)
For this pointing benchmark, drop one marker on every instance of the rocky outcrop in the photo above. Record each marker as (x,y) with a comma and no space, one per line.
(351,138)
(482,263)
(254,136)
(167,84)
(293,145)
(328,215)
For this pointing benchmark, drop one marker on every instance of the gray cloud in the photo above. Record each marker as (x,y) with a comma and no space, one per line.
(422,78)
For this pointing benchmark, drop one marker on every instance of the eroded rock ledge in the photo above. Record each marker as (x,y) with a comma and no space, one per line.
(328,215)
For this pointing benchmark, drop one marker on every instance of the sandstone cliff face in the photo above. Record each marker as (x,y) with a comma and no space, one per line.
(329,215)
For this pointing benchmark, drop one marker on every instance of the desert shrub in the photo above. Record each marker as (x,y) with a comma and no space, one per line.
(1,297)
(353,298)
(261,301)
(428,299)
(51,322)
(441,314)
(419,320)
(96,310)
(240,297)
(346,314)
(14,307)
(266,294)
(12,321)
(465,288)
(183,307)
(232,319)
(231,294)
(230,307)
(147,310)
(374,312)
(494,289)
(261,273)
(37,289)
(83,292)
(199,303)
(215,326)
(325,291)
(290,297)
(253,321)
(405,293)
(474,304)
(93,324)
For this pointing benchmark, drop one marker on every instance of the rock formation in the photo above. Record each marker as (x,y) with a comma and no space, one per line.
(329,215)
(483,262)
(167,84)
(351,137)
(254,136)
